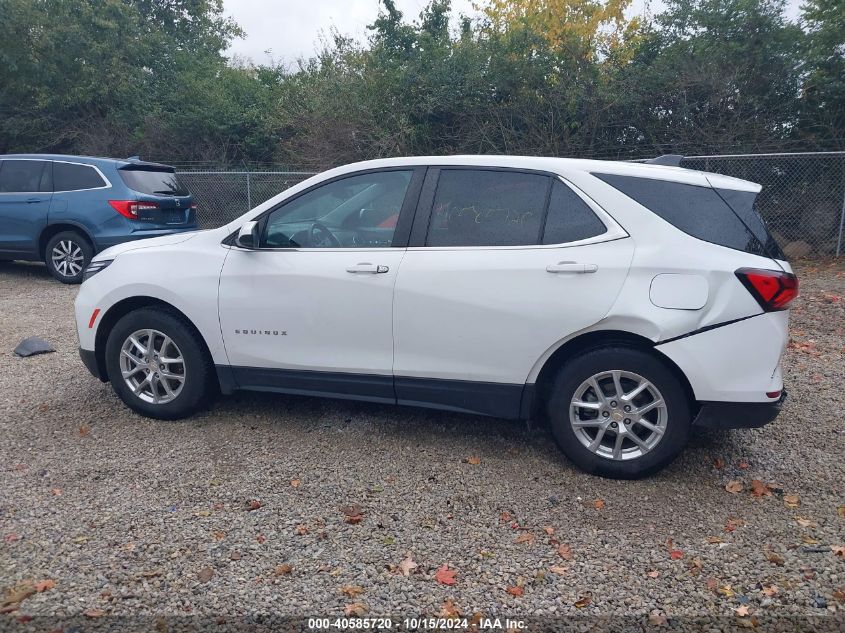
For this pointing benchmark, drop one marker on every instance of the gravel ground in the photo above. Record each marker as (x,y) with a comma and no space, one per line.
(239,511)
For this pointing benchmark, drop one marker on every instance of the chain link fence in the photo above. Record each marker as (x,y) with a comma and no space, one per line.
(803,197)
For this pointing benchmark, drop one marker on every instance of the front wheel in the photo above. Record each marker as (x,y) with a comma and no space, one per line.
(619,412)
(158,365)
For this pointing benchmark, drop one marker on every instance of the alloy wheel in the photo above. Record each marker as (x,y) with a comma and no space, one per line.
(618,415)
(67,258)
(152,366)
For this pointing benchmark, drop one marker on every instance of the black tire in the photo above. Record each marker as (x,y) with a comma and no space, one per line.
(77,245)
(198,369)
(628,359)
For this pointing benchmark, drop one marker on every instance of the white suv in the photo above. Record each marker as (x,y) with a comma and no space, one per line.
(626,302)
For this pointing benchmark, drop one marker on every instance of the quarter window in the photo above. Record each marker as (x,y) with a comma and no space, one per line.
(569,218)
(356,212)
(697,211)
(73,177)
(23,176)
(487,208)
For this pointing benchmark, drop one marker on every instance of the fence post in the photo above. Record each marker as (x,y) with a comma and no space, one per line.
(841,223)
(248,190)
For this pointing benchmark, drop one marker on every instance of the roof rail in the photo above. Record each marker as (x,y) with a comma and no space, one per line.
(134,158)
(672,160)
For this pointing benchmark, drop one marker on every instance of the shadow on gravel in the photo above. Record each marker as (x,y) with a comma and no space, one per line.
(24,270)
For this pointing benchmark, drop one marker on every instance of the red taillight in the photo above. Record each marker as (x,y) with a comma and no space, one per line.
(130,208)
(773,289)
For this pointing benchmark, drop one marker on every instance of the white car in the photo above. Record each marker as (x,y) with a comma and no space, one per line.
(626,302)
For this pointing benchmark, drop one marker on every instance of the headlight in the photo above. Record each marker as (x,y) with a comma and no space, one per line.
(95,267)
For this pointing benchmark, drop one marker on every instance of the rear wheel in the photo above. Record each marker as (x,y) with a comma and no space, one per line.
(619,412)
(66,255)
(157,364)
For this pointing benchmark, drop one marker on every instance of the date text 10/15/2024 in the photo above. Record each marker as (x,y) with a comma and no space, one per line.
(415,624)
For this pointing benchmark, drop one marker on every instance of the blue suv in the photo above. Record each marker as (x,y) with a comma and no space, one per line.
(62,210)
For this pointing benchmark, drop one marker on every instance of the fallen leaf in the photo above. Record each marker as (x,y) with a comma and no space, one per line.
(302,530)
(253,504)
(549,530)
(557,569)
(218,506)
(838,550)
(356,609)
(17,594)
(759,489)
(205,574)
(583,601)
(657,618)
(351,590)
(235,555)
(525,537)
(56,492)
(84,431)
(474,460)
(353,513)
(675,554)
(444,575)
(449,610)
(742,611)
(565,552)
(841,511)
(515,591)
(355,519)
(810,541)
(598,504)
(261,538)
(727,591)
(295,483)
(505,517)
(712,584)
(775,558)
(45,585)
(803,522)
(743,465)
(653,573)
(718,463)
(283,569)
(10,538)
(791,501)
(734,486)
(713,540)
(770,590)
(839,594)
(733,523)
(407,566)
(218,535)
(93,613)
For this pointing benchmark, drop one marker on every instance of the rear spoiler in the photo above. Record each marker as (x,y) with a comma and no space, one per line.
(141,165)
(671,160)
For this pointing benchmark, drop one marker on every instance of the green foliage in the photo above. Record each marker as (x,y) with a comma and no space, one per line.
(123,77)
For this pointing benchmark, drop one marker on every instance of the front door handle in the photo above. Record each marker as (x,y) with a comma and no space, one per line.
(571,267)
(367,267)
(31,200)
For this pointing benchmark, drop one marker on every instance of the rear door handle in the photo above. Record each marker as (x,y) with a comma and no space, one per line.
(31,200)
(366,267)
(571,267)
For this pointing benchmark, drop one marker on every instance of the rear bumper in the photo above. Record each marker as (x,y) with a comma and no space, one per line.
(104,242)
(738,415)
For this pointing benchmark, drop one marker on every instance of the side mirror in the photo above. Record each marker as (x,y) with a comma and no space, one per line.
(248,236)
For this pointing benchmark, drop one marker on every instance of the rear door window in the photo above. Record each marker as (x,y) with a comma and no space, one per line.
(24,176)
(474,207)
(75,177)
(570,218)
(153,182)
(697,211)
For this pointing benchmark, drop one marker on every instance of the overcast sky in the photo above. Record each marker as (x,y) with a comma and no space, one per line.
(291,28)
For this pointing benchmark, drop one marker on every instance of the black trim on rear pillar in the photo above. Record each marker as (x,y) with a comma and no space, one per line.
(738,415)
